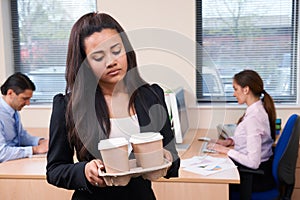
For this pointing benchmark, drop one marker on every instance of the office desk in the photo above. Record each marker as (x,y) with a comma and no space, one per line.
(25,179)
(194,186)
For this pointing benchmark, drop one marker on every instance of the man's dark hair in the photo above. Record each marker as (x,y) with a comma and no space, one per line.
(18,82)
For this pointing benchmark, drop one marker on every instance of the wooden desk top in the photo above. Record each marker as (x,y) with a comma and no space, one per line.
(35,167)
(227,176)
(27,168)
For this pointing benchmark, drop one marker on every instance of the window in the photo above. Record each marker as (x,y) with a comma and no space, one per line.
(41,31)
(246,34)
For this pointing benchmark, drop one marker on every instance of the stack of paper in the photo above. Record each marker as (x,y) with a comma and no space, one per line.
(206,165)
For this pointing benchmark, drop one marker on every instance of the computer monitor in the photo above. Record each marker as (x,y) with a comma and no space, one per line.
(178,113)
(182,111)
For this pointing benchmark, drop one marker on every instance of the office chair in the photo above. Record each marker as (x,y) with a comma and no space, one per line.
(283,167)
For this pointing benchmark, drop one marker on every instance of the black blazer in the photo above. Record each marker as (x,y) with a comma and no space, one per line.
(63,172)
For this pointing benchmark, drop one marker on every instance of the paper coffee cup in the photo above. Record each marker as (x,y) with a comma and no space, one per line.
(148,149)
(114,152)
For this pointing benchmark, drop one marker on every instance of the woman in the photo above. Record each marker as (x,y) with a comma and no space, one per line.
(103,90)
(255,132)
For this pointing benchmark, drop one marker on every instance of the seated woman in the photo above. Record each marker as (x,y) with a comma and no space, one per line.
(255,132)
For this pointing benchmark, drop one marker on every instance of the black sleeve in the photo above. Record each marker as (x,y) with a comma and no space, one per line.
(61,169)
(167,133)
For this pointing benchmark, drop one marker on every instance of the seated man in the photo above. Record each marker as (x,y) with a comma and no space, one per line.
(15,142)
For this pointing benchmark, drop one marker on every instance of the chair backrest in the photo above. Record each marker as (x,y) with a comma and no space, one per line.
(286,152)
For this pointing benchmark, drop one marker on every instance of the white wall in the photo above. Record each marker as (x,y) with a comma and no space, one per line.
(169,62)
(177,18)
(6,61)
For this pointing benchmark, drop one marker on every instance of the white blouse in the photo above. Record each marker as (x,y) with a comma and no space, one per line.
(124,127)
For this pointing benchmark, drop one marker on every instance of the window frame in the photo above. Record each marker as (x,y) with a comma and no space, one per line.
(51,75)
(200,54)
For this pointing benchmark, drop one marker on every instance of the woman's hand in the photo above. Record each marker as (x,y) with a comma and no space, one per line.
(91,173)
(226,143)
(217,147)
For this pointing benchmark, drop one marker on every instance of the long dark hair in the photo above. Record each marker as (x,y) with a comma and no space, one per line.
(252,79)
(76,60)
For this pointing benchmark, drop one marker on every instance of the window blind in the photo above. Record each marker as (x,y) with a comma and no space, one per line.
(234,35)
(41,30)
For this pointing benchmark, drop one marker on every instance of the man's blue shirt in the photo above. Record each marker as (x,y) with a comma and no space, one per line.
(13,146)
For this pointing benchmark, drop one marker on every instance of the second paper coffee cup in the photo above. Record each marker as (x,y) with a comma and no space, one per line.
(148,149)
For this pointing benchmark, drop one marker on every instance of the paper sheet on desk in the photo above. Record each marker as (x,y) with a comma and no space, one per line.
(206,165)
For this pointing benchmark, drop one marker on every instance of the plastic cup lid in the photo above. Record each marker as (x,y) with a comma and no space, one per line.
(145,137)
(112,143)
